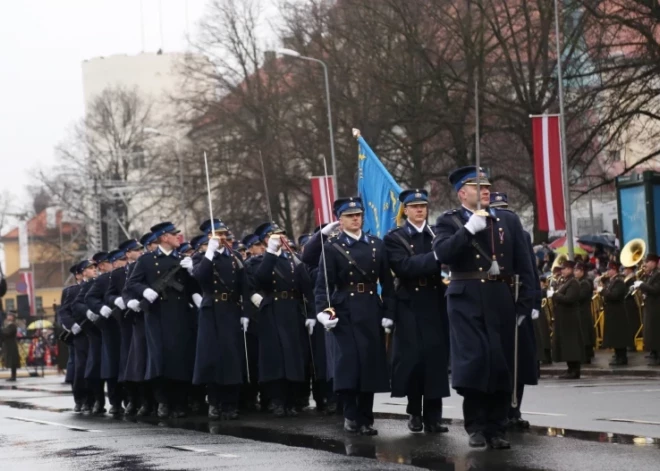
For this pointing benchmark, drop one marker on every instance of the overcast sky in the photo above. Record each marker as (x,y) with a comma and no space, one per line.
(42,46)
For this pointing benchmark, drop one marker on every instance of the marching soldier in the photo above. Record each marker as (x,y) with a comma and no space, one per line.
(485,252)
(617,330)
(348,304)
(220,350)
(567,340)
(586,321)
(128,253)
(421,339)
(136,363)
(110,331)
(94,302)
(651,290)
(528,368)
(81,341)
(66,321)
(282,322)
(168,289)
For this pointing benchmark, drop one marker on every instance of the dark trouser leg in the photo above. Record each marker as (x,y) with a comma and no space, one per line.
(276,391)
(350,400)
(415,391)
(181,391)
(114,392)
(80,391)
(13,372)
(621,354)
(96,393)
(229,397)
(496,415)
(291,399)
(161,388)
(475,411)
(147,393)
(366,408)
(432,410)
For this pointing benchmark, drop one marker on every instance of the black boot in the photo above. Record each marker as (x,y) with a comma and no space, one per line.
(367,430)
(477,440)
(435,427)
(77,408)
(145,410)
(98,408)
(214,412)
(163,411)
(130,409)
(350,426)
(116,411)
(498,443)
(415,423)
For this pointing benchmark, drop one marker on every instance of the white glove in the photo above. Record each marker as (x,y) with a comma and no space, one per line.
(119,302)
(274,244)
(310,323)
(105,311)
(91,316)
(245,322)
(387,325)
(150,295)
(256,299)
(550,293)
(324,319)
(476,224)
(330,228)
(133,304)
(197,299)
(211,248)
(535,313)
(75,328)
(187,263)
(520,320)
(599,289)
(637,284)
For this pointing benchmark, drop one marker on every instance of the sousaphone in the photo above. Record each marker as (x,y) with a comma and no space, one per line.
(633,253)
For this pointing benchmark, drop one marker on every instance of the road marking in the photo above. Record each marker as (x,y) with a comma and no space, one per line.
(45,422)
(201,450)
(626,391)
(549,414)
(631,421)
(405,404)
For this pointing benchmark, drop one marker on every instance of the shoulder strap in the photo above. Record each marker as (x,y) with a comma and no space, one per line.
(473,241)
(351,261)
(404,242)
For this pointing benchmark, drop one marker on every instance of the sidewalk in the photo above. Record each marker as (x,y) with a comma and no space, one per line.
(28,372)
(637,367)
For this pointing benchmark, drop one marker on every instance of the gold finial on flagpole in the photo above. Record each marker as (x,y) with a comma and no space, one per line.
(356,133)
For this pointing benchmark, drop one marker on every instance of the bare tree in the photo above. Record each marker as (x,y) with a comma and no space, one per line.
(105,172)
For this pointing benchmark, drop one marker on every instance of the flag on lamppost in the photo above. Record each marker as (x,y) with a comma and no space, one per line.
(548,173)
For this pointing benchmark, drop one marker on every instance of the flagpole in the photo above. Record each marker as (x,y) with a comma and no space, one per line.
(562,138)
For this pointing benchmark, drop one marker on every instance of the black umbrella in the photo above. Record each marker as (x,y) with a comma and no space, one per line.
(606,240)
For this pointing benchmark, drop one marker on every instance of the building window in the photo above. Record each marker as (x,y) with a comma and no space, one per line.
(39,302)
(10,304)
(615,155)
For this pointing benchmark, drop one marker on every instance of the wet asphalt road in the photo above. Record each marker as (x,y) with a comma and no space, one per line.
(38,432)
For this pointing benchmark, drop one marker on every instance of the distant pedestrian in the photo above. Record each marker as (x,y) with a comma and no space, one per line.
(10,346)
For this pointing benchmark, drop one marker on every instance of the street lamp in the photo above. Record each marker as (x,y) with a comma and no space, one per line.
(297,55)
(177,142)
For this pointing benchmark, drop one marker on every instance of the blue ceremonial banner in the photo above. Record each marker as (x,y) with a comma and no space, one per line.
(378,190)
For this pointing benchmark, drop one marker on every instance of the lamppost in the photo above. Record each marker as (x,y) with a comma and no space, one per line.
(297,55)
(177,148)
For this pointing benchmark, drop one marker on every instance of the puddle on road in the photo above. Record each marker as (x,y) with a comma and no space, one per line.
(29,406)
(59,392)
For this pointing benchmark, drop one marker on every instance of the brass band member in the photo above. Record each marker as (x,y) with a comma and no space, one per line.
(633,311)
(588,331)
(651,290)
(567,340)
(616,334)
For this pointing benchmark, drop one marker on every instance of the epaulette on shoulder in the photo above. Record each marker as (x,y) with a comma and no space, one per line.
(503,209)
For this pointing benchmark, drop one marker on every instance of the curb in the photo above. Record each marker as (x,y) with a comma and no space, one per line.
(595,372)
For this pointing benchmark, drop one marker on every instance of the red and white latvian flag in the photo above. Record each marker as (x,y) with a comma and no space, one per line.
(547,173)
(26,286)
(323,195)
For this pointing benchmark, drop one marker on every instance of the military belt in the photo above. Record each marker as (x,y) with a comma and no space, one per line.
(480,275)
(360,288)
(424,282)
(227,296)
(291,294)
